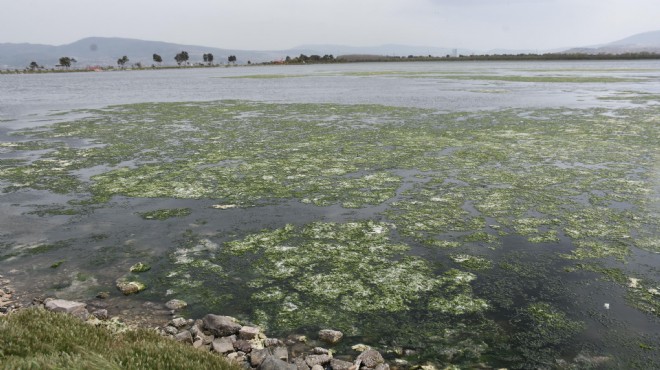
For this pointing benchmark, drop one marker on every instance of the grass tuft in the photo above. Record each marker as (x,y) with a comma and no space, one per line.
(39,339)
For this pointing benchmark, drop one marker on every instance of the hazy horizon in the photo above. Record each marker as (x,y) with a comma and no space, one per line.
(264,25)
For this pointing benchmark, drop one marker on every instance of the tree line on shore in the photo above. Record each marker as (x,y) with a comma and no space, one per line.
(182,59)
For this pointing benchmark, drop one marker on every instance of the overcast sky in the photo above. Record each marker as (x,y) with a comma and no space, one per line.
(283,24)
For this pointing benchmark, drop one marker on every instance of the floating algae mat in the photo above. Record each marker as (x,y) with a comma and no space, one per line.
(495,237)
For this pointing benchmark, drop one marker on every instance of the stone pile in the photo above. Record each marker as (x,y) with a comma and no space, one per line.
(8,302)
(245,345)
(249,347)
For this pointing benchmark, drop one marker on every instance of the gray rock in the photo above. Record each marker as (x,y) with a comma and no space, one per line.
(272,342)
(171,330)
(130,287)
(370,358)
(320,351)
(198,343)
(238,358)
(312,360)
(206,339)
(196,330)
(330,336)
(317,367)
(340,364)
(220,326)
(243,345)
(175,304)
(223,345)
(300,363)
(76,309)
(257,356)
(272,363)
(178,322)
(184,337)
(281,353)
(382,367)
(248,332)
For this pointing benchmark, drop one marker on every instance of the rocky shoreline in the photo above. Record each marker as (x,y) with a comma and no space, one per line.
(248,346)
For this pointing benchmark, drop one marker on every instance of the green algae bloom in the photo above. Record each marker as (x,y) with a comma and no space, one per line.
(164,214)
(333,273)
(434,205)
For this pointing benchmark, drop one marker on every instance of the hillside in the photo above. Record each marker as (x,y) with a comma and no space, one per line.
(105,51)
(641,42)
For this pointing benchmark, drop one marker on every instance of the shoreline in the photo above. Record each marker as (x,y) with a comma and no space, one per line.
(350,59)
(240,343)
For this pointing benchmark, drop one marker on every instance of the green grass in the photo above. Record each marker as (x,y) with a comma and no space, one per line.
(38,339)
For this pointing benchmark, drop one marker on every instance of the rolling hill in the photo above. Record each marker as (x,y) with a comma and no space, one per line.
(105,51)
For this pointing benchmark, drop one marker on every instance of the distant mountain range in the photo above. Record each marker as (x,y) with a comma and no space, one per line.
(106,50)
(641,42)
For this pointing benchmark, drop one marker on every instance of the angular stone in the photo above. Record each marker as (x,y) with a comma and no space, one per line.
(300,363)
(257,356)
(281,353)
(184,337)
(130,287)
(175,304)
(312,360)
(320,351)
(370,358)
(248,332)
(272,363)
(222,345)
(101,314)
(317,367)
(206,339)
(340,364)
(73,308)
(272,342)
(382,367)
(171,330)
(236,357)
(220,326)
(178,322)
(330,336)
(243,345)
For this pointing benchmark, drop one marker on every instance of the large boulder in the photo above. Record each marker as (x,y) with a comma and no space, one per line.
(312,360)
(184,336)
(130,287)
(330,336)
(73,308)
(258,356)
(175,304)
(223,345)
(220,326)
(249,332)
(370,358)
(340,364)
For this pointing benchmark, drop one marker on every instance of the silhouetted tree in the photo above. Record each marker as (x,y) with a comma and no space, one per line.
(232,59)
(209,58)
(122,61)
(33,65)
(65,62)
(157,58)
(182,57)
